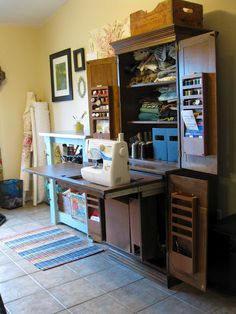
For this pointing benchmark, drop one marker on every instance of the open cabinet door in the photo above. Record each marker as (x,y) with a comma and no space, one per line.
(187,227)
(197,60)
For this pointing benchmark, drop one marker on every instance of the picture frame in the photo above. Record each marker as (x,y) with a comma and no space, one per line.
(79,60)
(61,75)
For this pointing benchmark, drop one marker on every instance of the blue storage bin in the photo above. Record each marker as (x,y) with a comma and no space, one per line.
(172,144)
(11,193)
(159,139)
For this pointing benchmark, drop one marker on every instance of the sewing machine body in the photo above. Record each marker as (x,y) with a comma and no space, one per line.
(115,167)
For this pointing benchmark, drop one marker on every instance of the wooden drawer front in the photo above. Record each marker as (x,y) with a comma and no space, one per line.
(183,232)
(94,218)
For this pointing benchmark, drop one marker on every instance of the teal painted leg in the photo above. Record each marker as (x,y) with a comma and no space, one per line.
(53,202)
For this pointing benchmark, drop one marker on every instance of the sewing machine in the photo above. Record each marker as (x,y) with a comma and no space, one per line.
(115,167)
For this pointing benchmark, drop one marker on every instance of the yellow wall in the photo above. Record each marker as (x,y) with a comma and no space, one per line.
(19,59)
(68,28)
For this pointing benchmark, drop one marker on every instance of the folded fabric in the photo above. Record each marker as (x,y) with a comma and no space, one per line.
(167,96)
(150,110)
(145,116)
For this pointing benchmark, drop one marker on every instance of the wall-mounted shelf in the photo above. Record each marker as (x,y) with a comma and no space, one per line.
(100,110)
(194,114)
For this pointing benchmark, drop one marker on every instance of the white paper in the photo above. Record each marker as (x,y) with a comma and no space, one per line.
(189,120)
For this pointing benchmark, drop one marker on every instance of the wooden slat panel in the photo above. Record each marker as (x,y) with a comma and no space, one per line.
(182,236)
(177,225)
(181,217)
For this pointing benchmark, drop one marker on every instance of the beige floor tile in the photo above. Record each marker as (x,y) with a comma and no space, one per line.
(56,276)
(139,294)
(113,278)
(101,305)
(206,302)
(76,292)
(26,227)
(90,264)
(27,266)
(18,288)
(10,271)
(169,306)
(37,303)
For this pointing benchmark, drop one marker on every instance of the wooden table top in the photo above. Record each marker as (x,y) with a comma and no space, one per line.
(70,174)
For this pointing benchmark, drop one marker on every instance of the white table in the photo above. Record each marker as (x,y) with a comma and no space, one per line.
(62,137)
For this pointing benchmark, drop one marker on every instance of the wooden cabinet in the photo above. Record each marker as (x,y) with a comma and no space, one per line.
(150,93)
(190,87)
(100,108)
(132,225)
(103,72)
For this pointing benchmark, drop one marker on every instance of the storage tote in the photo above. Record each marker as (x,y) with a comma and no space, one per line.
(11,193)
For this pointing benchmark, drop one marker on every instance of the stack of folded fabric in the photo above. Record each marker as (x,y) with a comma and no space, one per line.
(149,111)
(154,65)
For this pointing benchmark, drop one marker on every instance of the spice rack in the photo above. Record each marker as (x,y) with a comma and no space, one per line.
(194,114)
(183,232)
(100,109)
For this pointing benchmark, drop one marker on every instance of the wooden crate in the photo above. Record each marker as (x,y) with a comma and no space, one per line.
(167,12)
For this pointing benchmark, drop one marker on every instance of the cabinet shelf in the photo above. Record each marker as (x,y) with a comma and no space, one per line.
(191,106)
(192,86)
(192,97)
(152,84)
(172,123)
(100,110)
(100,118)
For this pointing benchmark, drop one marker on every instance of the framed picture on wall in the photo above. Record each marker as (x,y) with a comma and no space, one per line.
(61,75)
(79,59)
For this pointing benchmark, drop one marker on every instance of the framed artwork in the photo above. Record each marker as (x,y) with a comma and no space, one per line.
(79,60)
(61,75)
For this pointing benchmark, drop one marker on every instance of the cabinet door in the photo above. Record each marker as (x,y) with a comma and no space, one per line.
(117,223)
(197,55)
(187,230)
(104,72)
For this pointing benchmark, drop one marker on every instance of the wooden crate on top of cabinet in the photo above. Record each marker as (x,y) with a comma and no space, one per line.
(167,12)
(100,108)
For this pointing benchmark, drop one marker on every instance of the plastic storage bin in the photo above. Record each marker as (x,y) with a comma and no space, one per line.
(165,144)
(11,193)
(159,139)
(172,144)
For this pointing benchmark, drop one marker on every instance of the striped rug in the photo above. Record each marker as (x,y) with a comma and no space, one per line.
(49,247)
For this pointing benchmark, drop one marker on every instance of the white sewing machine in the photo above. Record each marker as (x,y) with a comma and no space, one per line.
(115,167)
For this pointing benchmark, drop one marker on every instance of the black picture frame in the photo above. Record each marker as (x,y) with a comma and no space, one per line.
(61,75)
(79,60)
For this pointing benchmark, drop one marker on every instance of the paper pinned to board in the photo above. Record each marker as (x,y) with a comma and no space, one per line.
(189,120)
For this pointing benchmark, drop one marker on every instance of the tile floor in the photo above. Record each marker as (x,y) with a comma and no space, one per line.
(92,285)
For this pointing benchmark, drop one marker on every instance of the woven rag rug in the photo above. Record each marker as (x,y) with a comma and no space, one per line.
(49,247)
